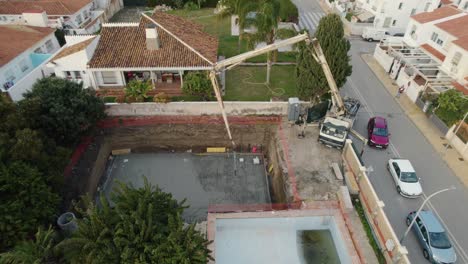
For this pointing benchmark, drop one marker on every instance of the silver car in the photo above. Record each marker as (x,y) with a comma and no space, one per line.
(432,237)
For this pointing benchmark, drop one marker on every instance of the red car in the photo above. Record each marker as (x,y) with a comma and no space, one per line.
(377,132)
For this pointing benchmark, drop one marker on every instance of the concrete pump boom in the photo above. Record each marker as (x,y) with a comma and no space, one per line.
(236,60)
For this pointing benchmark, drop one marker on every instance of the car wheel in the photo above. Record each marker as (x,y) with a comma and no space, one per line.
(370,39)
(426,254)
(398,189)
(408,221)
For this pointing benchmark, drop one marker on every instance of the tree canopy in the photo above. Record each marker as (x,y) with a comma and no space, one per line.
(452,106)
(61,108)
(139,225)
(311,81)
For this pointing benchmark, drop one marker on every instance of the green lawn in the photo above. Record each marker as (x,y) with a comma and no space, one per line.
(246,83)
(221,27)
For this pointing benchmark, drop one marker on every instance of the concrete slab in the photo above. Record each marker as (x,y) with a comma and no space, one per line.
(204,179)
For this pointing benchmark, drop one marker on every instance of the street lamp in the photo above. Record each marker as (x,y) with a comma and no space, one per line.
(420,209)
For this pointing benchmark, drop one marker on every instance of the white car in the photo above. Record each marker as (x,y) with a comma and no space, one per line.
(405,178)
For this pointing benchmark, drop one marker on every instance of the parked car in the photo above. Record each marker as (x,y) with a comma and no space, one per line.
(405,178)
(377,132)
(432,237)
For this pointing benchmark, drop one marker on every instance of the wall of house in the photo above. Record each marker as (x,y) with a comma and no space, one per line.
(76,62)
(72,22)
(400,17)
(100,82)
(460,71)
(6,19)
(25,84)
(14,67)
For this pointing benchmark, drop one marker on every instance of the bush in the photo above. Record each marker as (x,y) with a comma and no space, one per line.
(288,11)
(136,90)
(190,6)
(161,98)
(451,107)
(198,84)
(109,99)
(348,16)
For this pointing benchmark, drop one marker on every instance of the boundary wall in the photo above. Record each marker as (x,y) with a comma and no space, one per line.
(197,108)
(388,242)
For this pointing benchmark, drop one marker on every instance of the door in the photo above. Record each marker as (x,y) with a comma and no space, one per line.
(395,172)
(422,234)
(370,128)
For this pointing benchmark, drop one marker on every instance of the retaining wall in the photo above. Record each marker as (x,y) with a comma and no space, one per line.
(197,108)
(457,143)
(388,242)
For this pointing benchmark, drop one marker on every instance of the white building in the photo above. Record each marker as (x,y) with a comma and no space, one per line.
(75,16)
(433,54)
(23,55)
(393,15)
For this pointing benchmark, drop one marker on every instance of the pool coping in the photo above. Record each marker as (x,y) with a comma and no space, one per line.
(307,209)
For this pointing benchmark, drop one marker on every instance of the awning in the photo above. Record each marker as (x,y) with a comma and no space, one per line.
(365,15)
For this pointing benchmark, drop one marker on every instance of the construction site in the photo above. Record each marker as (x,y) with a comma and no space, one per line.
(262,183)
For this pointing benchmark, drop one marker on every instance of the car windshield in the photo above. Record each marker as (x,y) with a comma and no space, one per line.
(408,177)
(382,132)
(334,130)
(439,240)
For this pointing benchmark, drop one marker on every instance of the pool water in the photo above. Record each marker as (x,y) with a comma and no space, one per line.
(317,247)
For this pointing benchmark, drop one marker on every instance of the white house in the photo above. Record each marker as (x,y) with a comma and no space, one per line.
(393,15)
(160,49)
(75,16)
(433,54)
(23,52)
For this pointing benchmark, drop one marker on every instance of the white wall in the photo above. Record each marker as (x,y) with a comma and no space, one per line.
(197,108)
(36,19)
(461,70)
(10,19)
(14,65)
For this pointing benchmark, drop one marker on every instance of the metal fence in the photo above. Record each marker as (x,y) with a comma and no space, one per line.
(420,103)
(443,128)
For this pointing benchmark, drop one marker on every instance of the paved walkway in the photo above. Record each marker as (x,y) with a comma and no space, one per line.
(432,134)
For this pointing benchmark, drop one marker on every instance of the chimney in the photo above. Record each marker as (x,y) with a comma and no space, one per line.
(152,38)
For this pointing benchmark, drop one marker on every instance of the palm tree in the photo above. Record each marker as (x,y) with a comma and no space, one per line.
(39,250)
(235,7)
(265,21)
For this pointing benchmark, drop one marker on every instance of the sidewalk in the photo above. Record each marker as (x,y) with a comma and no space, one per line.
(432,134)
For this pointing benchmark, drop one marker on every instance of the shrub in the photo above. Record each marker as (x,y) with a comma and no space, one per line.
(161,98)
(452,106)
(198,84)
(190,6)
(136,90)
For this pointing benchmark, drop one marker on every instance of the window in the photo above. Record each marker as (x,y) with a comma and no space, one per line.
(38,50)
(9,79)
(400,6)
(78,19)
(440,42)
(465,7)
(68,75)
(413,31)
(85,14)
(424,233)
(49,46)
(397,169)
(77,74)
(413,11)
(108,78)
(426,8)
(456,58)
(23,65)
(394,23)
(434,36)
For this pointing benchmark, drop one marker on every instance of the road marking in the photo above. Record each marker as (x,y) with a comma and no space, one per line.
(458,248)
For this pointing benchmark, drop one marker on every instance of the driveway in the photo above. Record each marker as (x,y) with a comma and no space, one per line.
(128,14)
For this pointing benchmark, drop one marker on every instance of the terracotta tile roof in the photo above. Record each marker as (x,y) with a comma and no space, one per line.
(125,46)
(460,87)
(73,49)
(433,52)
(462,42)
(438,13)
(455,27)
(51,7)
(20,38)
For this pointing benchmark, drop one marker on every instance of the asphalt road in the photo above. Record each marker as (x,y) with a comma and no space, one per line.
(406,142)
